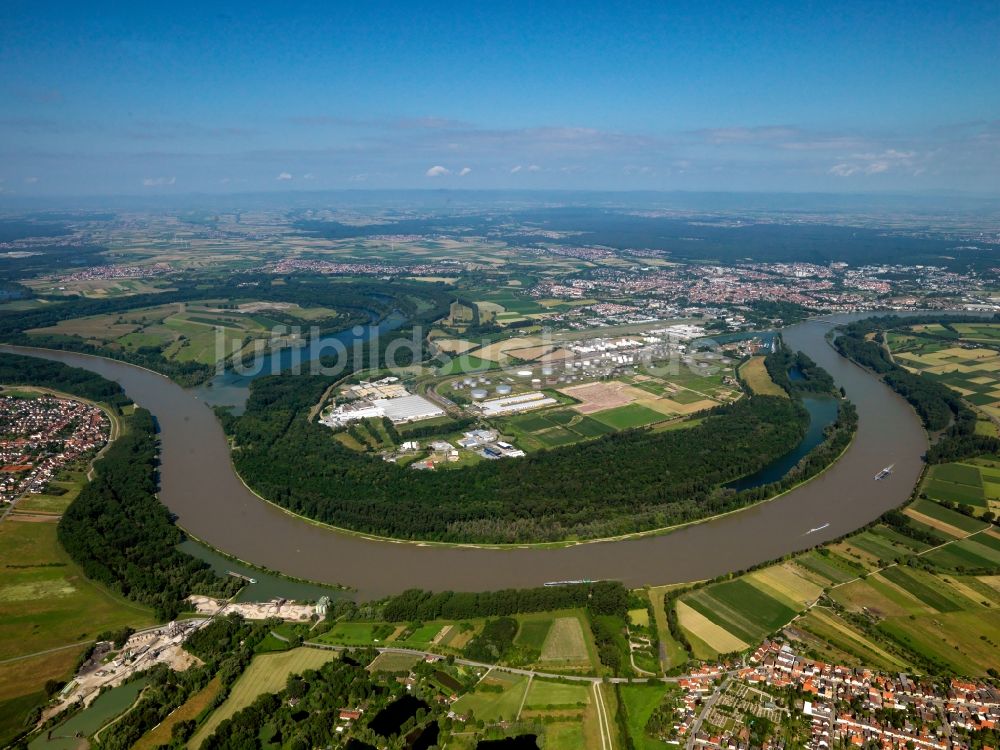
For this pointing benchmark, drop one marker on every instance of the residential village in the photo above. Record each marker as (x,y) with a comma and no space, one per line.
(40,436)
(844,706)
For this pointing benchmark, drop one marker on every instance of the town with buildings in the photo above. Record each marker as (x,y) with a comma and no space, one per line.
(833,706)
(40,436)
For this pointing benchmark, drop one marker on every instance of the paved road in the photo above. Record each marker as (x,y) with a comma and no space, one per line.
(512,670)
(705,709)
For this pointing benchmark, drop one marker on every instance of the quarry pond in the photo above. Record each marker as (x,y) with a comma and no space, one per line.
(198,484)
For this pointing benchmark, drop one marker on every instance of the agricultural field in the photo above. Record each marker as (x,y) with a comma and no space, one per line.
(741,608)
(497,696)
(840,637)
(357,633)
(963,356)
(975,482)
(948,518)
(61,492)
(551,428)
(565,644)
(673,395)
(186,332)
(45,603)
(640,702)
(626,417)
(266,674)
(22,686)
(389,662)
(565,713)
(755,375)
(911,593)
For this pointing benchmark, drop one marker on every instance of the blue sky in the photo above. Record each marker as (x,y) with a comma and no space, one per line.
(199,97)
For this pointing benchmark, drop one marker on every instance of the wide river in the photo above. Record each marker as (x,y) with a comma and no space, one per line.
(199,485)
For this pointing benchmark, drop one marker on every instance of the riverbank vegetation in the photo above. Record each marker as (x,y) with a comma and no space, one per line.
(943,406)
(620,483)
(123,537)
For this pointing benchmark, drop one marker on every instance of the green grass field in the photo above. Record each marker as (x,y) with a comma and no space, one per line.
(965,642)
(186,333)
(546,693)
(923,587)
(565,644)
(625,417)
(552,428)
(394,662)
(491,705)
(640,702)
(533,632)
(356,633)
(46,602)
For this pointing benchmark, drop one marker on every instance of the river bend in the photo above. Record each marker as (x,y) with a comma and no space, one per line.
(199,485)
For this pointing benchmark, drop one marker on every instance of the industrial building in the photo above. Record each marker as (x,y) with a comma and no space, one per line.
(408,408)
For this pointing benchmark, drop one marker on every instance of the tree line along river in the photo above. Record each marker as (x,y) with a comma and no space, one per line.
(198,484)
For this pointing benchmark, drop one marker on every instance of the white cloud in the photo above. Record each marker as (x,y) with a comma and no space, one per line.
(844,170)
(308,176)
(31,180)
(362,177)
(876,163)
(516,169)
(534,168)
(158,181)
(438,171)
(465,171)
(284,177)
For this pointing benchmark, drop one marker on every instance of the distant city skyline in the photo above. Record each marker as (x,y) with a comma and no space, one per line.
(168,99)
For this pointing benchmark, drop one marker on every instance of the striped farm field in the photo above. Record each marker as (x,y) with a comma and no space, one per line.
(720,640)
(741,608)
(950,517)
(879,596)
(880,548)
(968,553)
(943,531)
(899,540)
(834,630)
(828,566)
(786,583)
(924,587)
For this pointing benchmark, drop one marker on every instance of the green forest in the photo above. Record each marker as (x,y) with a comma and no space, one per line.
(122,536)
(624,482)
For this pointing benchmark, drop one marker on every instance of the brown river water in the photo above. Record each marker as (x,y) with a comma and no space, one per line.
(199,485)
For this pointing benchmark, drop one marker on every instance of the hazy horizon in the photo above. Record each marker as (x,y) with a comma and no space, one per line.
(164,100)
